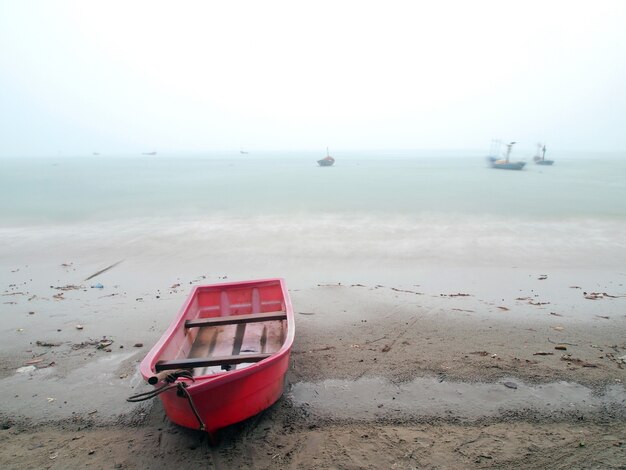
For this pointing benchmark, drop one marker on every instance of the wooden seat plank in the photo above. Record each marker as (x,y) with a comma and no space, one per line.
(235,319)
(192,362)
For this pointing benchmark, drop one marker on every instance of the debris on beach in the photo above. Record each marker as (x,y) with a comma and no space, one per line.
(412,291)
(542,277)
(558,328)
(97,286)
(574,360)
(14,293)
(599,295)
(25,369)
(33,361)
(561,347)
(532,302)
(67,287)
(98,343)
(110,295)
(104,343)
(543,353)
(138,345)
(503,308)
(556,314)
(103,270)
(58,296)
(47,344)
(512,385)
(79,327)
(480,353)
(459,294)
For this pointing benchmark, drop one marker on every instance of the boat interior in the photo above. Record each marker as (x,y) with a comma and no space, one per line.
(227,328)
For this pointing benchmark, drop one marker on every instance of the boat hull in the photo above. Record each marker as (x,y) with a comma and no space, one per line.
(509,166)
(253,322)
(221,403)
(505,165)
(544,162)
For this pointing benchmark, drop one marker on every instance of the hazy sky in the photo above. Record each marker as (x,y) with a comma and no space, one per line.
(134,76)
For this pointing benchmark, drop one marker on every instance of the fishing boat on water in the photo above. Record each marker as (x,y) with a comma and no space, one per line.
(504,163)
(224,357)
(327,160)
(540,156)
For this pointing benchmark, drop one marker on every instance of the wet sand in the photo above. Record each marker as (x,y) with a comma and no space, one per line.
(394,364)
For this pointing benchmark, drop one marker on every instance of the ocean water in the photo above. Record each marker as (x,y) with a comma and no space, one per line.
(68,190)
(426,206)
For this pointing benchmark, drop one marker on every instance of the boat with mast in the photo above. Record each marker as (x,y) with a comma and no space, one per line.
(503,163)
(541,159)
(327,160)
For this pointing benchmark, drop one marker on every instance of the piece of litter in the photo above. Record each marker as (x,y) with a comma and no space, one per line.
(79,327)
(25,369)
(33,361)
(510,385)
(561,347)
(50,399)
(97,286)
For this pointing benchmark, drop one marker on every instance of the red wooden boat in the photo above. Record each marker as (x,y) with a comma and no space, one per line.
(225,356)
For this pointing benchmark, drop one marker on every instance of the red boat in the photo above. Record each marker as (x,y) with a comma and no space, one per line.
(225,356)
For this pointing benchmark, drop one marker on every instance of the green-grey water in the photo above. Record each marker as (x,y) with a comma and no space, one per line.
(35,191)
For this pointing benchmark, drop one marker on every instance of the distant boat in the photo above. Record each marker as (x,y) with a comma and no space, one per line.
(541,159)
(505,163)
(327,160)
(149,153)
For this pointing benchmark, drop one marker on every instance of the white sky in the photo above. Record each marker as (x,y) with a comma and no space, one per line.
(134,76)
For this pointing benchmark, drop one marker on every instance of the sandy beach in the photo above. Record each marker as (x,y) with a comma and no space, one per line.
(396,364)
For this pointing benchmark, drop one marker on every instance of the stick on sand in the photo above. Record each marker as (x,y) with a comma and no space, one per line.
(104,270)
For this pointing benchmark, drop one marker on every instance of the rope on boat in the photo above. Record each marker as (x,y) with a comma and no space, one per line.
(170,385)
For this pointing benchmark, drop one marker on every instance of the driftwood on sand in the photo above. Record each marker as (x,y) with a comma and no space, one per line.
(103,270)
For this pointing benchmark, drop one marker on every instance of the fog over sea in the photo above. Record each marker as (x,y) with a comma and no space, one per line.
(428,206)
